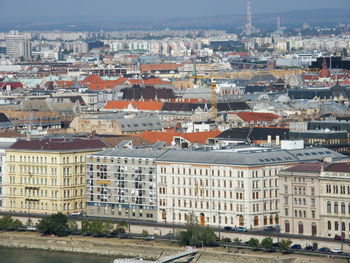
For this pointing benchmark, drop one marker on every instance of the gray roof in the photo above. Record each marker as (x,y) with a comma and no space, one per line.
(145,123)
(134,153)
(267,157)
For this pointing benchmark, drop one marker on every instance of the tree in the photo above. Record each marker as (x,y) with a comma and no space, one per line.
(73,227)
(122,226)
(56,224)
(285,245)
(253,243)
(195,235)
(145,233)
(237,241)
(38,57)
(267,243)
(7,223)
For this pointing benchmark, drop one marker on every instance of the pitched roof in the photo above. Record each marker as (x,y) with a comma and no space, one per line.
(255,116)
(94,82)
(168,137)
(307,168)
(58,144)
(140,105)
(339,167)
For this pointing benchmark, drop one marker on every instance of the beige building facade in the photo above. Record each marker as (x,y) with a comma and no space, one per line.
(48,176)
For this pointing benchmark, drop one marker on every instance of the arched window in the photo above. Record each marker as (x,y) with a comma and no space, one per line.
(336,226)
(329,207)
(271,220)
(277,220)
(265,220)
(256,221)
(343,208)
(343,226)
(300,228)
(329,225)
(336,207)
(286,226)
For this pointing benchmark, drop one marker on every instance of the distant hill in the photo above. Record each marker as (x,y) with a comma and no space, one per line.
(317,17)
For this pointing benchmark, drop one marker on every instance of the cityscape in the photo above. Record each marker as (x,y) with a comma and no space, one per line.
(175,133)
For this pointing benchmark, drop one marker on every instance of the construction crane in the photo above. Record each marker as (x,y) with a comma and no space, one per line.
(213,97)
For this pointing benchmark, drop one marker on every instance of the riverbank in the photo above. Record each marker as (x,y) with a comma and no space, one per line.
(150,250)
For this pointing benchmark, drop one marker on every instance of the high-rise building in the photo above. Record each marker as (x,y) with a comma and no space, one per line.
(249,28)
(18,45)
(122,183)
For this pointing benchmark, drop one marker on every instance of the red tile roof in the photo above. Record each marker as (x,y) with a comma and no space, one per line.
(58,144)
(140,105)
(168,137)
(256,116)
(94,82)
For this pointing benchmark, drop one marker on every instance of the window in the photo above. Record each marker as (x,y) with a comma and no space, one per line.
(329,225)
(336,207)
(329,207)
(287,226)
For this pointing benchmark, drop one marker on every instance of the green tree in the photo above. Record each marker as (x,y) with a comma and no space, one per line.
(85,227)
(97,227)
(237,241)
(73,227)
(145,233)
(195,235)
(253,243)
(285,245)
(38,57)
(56,224)
(108,227)
(8,223)
(122,226)
(267,243)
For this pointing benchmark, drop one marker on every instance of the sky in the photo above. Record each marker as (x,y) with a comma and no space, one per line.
(155,8)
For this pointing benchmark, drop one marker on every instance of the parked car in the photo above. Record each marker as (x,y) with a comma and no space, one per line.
(309,248)
(324,250)
(226,240)
(276,244)
(337,237)
(296,246)
(241,229)
(337,251)
(270,228)
(149,237)
(228,228)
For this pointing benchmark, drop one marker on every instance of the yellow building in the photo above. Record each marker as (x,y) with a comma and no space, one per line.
(48,175)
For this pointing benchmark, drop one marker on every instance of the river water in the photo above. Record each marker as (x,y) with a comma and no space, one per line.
(37,256)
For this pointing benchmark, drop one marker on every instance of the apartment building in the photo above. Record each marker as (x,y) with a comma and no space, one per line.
(4,144)
(315,200)
(48,175)
(300,199)
(123,183)
(226,188)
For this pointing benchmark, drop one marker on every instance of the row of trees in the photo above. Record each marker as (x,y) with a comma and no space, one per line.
(266,244)
(59,225)
(10,224)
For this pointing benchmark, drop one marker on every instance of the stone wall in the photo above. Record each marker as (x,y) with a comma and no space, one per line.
(120,248)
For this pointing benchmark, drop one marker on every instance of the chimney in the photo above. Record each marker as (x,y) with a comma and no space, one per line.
(277,140)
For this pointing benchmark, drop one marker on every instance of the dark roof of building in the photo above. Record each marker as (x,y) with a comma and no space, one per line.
(338,167)
(253,89)
(58,144)
(3,118)
(317,167)
(309,94)
(222,106)
(137,92)
(253,134)
(307,168)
